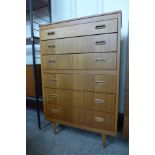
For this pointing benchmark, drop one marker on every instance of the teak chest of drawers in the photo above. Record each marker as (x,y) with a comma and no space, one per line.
(80,61)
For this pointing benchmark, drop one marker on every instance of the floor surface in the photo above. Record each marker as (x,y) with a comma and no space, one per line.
(68,141)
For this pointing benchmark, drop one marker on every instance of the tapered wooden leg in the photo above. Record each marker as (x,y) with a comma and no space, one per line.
(54,127)
(104,140)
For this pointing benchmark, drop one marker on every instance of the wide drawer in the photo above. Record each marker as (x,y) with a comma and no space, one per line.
(80,61)
(82,99)
(95,83)
(96,43)
(107,26)
(90,118)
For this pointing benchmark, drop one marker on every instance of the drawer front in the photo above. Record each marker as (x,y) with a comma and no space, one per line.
(96,43)
(99,101)
(100,120)
(55,96)
(100,83)
(80,61)
(94,119)
(57,112)
(88,100)
(108,26)
(95,83)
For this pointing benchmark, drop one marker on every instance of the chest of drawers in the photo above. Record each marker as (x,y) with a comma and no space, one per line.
(80,72)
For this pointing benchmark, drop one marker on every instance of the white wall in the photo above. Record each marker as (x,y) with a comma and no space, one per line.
(61,9)
(67,9)
(88,7)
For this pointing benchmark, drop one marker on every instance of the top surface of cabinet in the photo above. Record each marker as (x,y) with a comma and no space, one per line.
(82,20)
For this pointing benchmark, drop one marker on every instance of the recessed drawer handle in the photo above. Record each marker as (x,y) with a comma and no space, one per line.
(51,46)
(52,61)
(99,119)
(55,110)
(100,82)
(51,79)
(100,42)
(51,33)
(100,60)
(98,101)
(53,95)
(100,26)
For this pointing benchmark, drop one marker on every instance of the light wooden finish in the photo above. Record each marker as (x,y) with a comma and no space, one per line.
(95,43)
(80,70)
(67,123)
(30,82)
(96,83)
(91,118)
(99,101)
(100,83)
(108,26)
(118,69)
(80,61)
(104,140)
(81,99)
(83,20)
(57,112)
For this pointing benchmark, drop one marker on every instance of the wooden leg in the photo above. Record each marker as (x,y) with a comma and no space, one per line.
(54,127)
(104,140)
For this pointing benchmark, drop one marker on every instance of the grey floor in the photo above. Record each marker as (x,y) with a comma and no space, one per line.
(68,141)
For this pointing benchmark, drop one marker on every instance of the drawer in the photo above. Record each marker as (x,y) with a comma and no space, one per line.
(107,26)
(96,43)
(99,120)
(57,112)
(80,61)
(100,83)
(99,101)
(55,96)
(94,119)
(95,83)
(90,118)
(89,100)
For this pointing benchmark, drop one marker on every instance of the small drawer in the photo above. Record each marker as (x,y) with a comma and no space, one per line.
(57,112)
(100,83)
(107,26)
(50,96)
(100,120)
(94,119)
(64,81)
(50,80)
(55,96)
(85,44)
(80,61)
(99,101)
